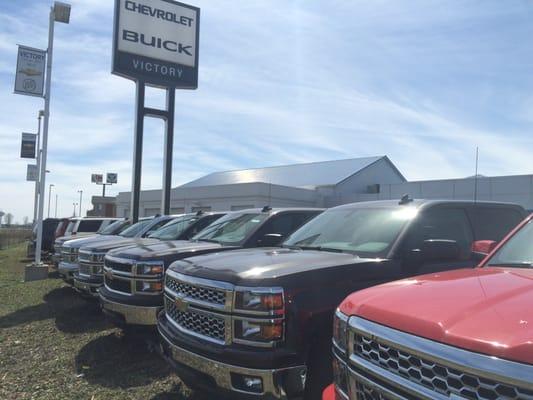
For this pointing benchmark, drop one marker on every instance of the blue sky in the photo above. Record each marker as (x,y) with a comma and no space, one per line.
(422,81)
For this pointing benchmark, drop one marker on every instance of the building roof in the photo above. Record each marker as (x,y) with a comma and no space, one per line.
(308,175)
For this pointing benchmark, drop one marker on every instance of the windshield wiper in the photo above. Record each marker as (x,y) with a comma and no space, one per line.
(318,248)
(525,264)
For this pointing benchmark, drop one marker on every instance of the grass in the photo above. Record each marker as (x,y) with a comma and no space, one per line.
(56,345)
(13,236)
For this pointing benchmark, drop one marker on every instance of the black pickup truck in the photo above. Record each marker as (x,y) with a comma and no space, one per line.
(257,323)
(133,291)
(90,275)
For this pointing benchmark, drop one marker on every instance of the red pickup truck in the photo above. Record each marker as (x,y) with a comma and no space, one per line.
(463,334)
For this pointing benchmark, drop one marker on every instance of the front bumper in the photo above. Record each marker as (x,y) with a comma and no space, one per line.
(129,314)
(67,271)
(87,286)
(216,377)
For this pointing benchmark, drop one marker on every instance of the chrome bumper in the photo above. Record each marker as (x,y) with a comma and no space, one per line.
(134,315)
(67,270)
(222,373)
(87,288)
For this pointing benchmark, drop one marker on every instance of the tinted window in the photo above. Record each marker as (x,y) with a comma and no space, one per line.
(445,224)
(361,230)
(174,228)
(156,226)
(135,228)
(285,223)
(493,223)
(89,225)
(114,228)
(233,228)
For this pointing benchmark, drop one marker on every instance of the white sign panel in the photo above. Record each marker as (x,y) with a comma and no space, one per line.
(111,178)
(32,173)
(97,178)
(156,41)
(31,65)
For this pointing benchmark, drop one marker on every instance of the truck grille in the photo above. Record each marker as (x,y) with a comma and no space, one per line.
(209,326)
(433,375)
(90,269)
(364,392)
(118,285)
(119,266)
(200,293)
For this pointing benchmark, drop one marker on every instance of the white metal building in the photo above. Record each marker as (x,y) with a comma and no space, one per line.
(324,184)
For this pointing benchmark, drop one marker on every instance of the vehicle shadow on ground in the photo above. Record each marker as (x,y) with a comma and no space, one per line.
(120,362)
(72,313)
(180,392)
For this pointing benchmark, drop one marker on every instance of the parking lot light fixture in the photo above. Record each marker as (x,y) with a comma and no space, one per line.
(62,12)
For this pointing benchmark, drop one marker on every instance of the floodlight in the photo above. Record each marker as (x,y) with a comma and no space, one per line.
(61,12)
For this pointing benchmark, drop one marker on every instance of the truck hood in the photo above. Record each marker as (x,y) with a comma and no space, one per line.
(114,243)
(159,249)
(62,239)
(253,265)
(485,310)
(85,241)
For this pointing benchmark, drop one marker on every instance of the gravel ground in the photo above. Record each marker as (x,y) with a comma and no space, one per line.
(56,345)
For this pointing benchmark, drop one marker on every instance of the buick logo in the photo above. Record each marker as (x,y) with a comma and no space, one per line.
(181,304)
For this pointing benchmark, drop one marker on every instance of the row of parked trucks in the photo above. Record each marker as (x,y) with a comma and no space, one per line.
(246,303)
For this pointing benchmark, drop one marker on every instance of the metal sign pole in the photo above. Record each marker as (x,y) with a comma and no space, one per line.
(36,201)
(42,179)
(169,146)
(137,151)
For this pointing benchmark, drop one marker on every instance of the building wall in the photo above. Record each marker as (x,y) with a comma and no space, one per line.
(221,198)
(514,189)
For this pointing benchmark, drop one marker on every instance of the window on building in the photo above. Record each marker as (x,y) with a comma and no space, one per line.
(150,212)
(238,208)
(177,210)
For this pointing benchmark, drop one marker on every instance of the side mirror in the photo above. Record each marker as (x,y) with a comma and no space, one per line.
(270,240)
(481,248)
(439,250)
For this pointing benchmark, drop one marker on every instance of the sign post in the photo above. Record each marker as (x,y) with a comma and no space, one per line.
(155,43)
(111,179)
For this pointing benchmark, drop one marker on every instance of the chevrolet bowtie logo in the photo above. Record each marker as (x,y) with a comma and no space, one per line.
(109,275)
(181,304)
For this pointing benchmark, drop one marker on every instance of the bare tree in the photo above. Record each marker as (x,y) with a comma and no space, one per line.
(26,221)
(9,219)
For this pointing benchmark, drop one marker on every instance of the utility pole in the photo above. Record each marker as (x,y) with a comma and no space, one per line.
(59,12)
(81,198)
(56,207)
(74,212)
(50,197)
(36,201)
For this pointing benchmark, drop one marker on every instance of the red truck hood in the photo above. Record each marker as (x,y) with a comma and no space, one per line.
(486,310)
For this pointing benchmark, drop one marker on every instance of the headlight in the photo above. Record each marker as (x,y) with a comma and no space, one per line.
(149,287)
(259,300)
(259,331)
(340,334)
(152,268)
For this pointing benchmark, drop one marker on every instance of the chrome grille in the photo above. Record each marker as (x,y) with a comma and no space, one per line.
(118,285)
(206,325)
(208,295)
(433,375)
(119,266)
(90,269)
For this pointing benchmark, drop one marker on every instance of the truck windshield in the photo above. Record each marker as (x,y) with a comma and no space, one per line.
(367,232)
(517,252)
(232,229)
(114,228)
(173,229)
(135,228)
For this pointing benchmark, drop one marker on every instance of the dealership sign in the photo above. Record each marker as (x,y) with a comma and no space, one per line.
(97,178)
(28,146)
(31,173)
(111,178)
(31,64)
(156,42)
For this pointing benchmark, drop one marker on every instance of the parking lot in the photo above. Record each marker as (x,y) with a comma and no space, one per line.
(53,344)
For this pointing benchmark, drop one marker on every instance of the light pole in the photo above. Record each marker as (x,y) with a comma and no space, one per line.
(36,201)
(81,198)
(74,212)
(59,12)
(56,207)
(49,197)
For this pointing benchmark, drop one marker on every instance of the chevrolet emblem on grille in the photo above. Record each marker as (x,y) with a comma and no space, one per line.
(181,304)
(109,275)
